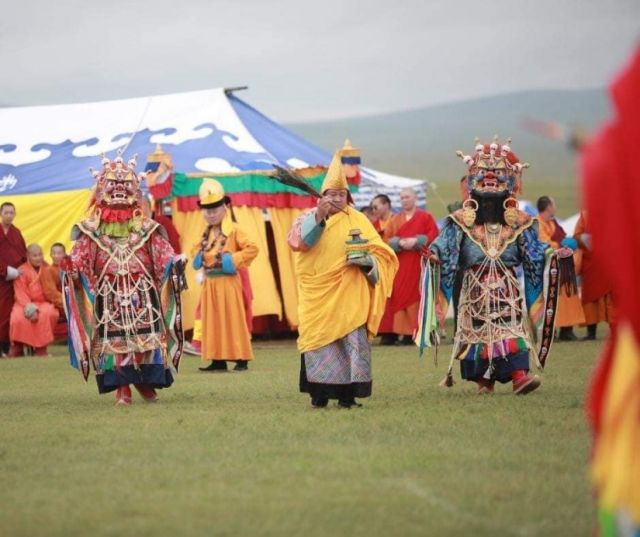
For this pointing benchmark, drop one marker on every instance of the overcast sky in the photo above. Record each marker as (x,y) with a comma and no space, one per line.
(307,60)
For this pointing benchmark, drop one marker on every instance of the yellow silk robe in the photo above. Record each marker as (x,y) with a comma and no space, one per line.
(335,298)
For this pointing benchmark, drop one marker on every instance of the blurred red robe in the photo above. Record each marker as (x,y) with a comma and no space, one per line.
(611,177)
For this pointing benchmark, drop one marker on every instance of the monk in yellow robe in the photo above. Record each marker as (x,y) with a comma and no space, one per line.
(33,319)
(223,250)
(570,312)
(345,273)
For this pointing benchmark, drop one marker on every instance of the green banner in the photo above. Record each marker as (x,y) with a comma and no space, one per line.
(250,182)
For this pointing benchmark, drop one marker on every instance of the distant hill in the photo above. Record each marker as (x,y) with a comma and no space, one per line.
(422,143)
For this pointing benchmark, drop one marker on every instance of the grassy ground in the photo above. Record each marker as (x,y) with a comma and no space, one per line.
(244,454)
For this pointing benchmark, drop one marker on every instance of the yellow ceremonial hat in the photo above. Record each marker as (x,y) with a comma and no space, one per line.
(336,178)
(349,154)
(211,194)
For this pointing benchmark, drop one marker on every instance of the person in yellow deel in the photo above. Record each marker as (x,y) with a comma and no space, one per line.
(345,274)
(570,312)
(224,249)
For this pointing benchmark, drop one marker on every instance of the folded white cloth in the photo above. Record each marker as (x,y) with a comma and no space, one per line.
(12,273)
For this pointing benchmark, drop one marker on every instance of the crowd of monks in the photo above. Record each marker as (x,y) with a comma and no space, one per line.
(32,314)
(30,291)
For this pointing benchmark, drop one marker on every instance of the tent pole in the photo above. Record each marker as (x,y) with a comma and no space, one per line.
(229,91)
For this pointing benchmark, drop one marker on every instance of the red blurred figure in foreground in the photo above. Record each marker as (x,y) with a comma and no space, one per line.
(611,179)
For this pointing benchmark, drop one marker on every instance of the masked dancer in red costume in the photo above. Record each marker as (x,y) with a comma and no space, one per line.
(122,290)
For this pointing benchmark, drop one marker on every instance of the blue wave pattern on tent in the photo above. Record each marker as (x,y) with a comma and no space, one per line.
(204,131)
(62,170)
(282,144)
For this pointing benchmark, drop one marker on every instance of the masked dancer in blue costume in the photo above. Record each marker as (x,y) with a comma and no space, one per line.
(475,258)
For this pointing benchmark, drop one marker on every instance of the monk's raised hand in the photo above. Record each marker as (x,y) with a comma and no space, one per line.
(324,205)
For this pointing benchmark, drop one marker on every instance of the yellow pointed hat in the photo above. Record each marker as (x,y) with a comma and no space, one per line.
(336,178)
(349,154)
(211,194)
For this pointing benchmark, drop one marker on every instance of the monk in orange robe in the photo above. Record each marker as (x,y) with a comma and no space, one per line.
(596,286)
(570,312)
(33,319)
(52,286)
(381,206)
(50,277)
(407,233)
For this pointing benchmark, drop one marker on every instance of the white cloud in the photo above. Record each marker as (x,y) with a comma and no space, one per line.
(215,165)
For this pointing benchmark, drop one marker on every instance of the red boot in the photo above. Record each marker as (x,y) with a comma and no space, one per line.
(16,350)
(194,348)
(485,386)
(41,351)
(147,392)
(524,383)
(123,396)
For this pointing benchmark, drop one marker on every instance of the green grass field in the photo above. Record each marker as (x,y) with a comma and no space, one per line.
(245,454)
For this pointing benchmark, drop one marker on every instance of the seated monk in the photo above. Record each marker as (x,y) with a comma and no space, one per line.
(52,287)
(32,318)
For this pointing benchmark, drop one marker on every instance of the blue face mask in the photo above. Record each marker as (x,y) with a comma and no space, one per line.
(510,180)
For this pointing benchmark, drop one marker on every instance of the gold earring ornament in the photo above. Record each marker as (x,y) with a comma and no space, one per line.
(138,217)
(469,210)
(510,206)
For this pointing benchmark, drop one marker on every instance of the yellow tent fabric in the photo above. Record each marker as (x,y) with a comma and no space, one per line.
(266,300)
(191,225)
(281,221)
(48,218)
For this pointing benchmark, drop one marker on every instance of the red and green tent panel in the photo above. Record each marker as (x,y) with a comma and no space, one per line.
(252,189)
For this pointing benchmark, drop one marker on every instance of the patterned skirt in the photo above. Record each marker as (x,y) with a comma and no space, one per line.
(339,370)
